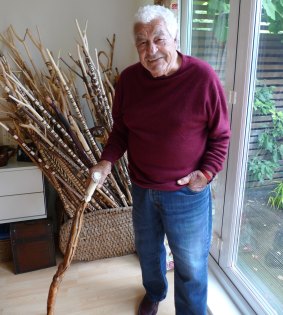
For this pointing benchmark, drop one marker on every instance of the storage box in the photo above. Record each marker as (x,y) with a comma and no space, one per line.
(32,245)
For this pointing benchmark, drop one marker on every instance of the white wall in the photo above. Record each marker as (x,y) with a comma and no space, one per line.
(56,22)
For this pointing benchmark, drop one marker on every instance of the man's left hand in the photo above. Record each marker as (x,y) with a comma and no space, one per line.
(196,181)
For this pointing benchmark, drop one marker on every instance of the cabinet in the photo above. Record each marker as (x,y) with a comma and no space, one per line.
(21,192)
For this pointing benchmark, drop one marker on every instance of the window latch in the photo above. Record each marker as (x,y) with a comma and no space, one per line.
(232,97)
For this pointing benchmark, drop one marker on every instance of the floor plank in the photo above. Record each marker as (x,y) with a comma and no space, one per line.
(102,287)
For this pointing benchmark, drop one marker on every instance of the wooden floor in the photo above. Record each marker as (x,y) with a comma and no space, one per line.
(104,287)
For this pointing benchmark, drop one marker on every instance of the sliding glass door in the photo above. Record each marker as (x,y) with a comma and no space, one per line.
(258,254)
(243,41)
(206,37)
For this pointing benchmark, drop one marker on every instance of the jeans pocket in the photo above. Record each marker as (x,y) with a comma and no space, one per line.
(191,191)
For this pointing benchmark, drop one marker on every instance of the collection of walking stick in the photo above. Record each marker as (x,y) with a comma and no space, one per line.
(61,128)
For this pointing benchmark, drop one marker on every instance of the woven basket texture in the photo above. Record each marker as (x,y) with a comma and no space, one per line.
(5,250)
(104,234)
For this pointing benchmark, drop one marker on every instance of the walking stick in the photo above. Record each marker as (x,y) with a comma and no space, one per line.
(71,246)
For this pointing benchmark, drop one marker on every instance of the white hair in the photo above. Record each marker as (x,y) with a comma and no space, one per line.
(150,12)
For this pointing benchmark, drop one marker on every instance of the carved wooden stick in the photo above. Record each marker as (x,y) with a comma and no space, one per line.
(72,101)
(71,247)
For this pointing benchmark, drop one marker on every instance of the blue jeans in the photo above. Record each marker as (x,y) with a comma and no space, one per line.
(185,217)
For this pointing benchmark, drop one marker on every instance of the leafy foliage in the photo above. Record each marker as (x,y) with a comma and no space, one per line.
(273,13)
(220,9)
(276,200)
(277,119)
(263,99)
(262,169)
(263,165)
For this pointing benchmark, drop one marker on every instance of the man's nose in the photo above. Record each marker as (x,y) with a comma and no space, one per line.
(152,48)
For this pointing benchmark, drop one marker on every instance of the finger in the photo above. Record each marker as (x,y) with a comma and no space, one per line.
(185,180)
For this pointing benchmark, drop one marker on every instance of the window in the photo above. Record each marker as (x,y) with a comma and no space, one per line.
(243,41)
(207,36)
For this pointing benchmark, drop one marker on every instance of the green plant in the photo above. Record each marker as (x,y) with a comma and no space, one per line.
(276,200)
(277,119)
(213,13)
(273,14)
(219,12)
(261,169)
(263,99)
(263,165)
(269,141)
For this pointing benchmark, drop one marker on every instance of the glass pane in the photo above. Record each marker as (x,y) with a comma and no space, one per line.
(209,38)
(209,33)
(260,249)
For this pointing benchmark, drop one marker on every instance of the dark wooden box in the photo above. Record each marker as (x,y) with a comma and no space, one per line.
(32,245)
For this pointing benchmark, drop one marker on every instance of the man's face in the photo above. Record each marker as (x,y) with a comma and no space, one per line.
(156,48)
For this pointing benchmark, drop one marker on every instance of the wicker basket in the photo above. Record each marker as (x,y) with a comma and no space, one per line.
(5,250)
(105,233)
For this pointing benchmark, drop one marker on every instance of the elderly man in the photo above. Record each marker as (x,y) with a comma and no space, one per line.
(170,115)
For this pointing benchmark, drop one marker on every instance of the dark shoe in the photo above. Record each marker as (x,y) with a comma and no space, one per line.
(147,307)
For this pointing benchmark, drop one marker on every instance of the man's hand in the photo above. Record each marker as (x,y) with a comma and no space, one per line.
(196,181)
(104,168)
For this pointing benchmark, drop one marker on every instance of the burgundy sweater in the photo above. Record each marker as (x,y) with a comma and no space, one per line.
(171,125)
